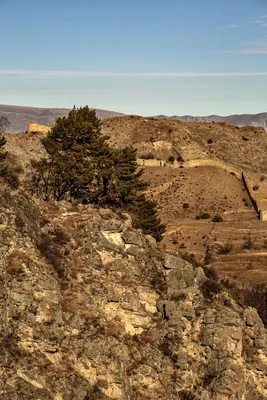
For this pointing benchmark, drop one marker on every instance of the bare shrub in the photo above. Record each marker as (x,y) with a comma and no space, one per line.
(186,395)
(217,218)
(248,243)
(210,288)
(225,248)
(50,250)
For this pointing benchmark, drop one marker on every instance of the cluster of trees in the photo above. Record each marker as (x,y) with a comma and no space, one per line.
(81,165)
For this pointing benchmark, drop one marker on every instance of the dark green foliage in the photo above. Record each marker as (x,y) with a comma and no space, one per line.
(79,158)
(7,173)
(145,217)
(82,165)
(217,218)
(171,159)
(3,155)
(123,183)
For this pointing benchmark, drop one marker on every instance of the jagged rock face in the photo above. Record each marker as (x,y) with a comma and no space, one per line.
(91,309)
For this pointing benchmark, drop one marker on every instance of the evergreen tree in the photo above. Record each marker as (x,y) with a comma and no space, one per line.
(9,175)
(82,165)
(123,183)
(3,155)
(144,213)
(79,158)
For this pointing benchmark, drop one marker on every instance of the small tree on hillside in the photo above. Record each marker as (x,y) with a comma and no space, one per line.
(145,217)
(82,165)
(78,158)
(4,123)
(5,171)
(124,181)
(3,155)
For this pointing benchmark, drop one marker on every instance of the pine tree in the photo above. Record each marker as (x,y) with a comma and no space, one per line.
(123,183)
(3,155)
(78,158)
(80,164)
(145,217)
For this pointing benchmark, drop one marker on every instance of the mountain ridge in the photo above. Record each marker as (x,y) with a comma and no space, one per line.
(259,119)
(20,116)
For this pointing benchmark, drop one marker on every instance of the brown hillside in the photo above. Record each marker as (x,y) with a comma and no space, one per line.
(245,146)
(206,189)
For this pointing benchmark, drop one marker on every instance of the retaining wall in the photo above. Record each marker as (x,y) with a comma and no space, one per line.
(260,208)
(191,164)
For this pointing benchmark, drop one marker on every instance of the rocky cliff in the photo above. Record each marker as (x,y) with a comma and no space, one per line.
(92,309)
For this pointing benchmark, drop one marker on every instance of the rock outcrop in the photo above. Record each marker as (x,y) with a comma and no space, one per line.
(92,309)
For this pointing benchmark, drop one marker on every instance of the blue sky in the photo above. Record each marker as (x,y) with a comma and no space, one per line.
(144,57)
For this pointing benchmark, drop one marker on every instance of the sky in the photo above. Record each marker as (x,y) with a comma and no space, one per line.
(146,57)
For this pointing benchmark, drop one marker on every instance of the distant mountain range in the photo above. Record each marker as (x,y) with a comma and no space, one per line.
(20,116)
(238,120)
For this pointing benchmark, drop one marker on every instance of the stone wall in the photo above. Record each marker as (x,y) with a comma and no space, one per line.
(213,163)
(152,163)
(259,204)
(35,127)
(192,164)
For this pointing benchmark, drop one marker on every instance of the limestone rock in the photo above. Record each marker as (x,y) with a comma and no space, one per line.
(126,320)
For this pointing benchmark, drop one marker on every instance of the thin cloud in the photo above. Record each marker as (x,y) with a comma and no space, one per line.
(262,50)
(59,73)
(252,47)
(258,21)
(115,89)
(234,26)
(264,17)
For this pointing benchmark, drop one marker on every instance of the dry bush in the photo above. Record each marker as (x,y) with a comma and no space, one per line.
(217,218)
(212,285)
(248,243)
(225,248)
(210,288)
(15,261)
(50,249)
(186,395)
(248,350)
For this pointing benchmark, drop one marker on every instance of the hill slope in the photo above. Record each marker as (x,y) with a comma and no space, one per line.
(20,116)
